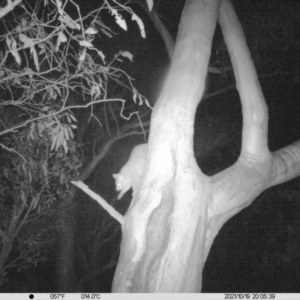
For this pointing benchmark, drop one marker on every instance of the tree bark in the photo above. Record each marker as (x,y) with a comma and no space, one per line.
(178,211)
(174,195)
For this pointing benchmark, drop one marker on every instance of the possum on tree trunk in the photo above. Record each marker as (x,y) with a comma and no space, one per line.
(131,172)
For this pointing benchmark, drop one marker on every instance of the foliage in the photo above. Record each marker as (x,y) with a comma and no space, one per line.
(29,189)
(50,61)
(52,57)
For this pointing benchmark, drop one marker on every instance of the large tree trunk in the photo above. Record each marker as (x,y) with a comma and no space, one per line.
(178,211)
(174,208)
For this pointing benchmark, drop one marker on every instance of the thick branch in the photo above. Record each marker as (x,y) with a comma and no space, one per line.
(256,170)
(9,7)
(255,112)
(286,164)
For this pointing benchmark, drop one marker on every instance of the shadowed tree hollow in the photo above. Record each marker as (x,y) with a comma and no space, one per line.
(177,210)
